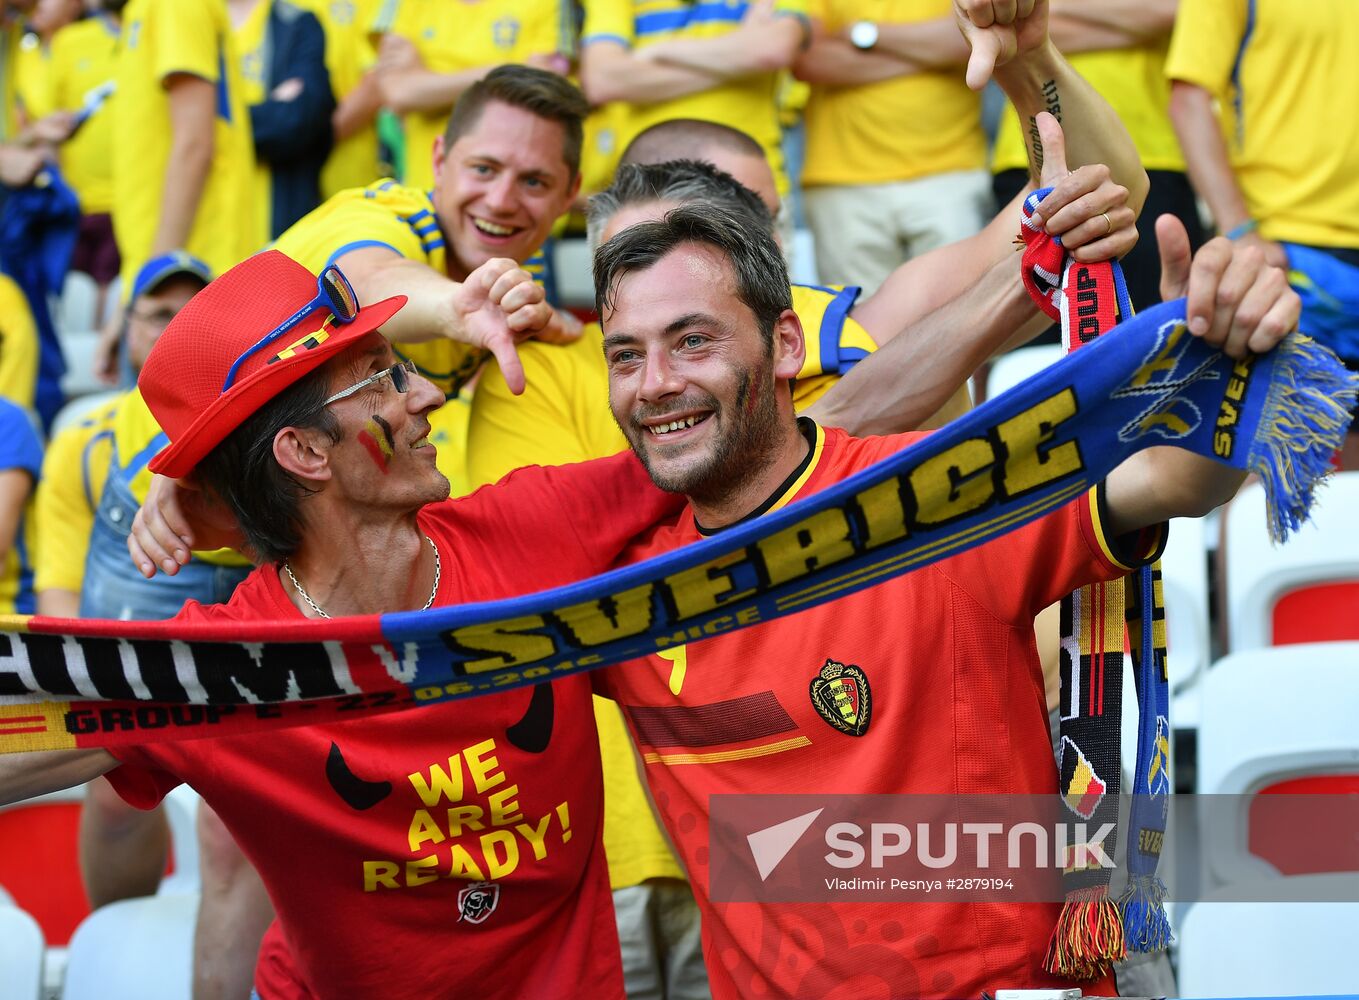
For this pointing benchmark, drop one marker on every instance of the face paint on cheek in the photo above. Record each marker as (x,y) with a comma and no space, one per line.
(749,392)
(386,433)
(377,441)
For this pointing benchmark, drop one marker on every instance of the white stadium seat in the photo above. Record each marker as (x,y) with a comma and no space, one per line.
(77,309)
(571,267)
(78,347)
(21,955)
(1008,370)
(138,949)
(1255,949)
(1304,590)
(1184,581)
(1271,716)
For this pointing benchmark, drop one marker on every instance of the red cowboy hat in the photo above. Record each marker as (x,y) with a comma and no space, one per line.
(182,380)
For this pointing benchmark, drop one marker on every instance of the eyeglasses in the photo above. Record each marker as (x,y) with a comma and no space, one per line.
(399,373)
(333,292)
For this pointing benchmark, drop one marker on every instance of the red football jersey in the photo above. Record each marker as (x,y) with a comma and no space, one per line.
(446,851)
(957,706)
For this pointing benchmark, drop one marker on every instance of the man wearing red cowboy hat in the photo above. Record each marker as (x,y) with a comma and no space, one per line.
(440,853)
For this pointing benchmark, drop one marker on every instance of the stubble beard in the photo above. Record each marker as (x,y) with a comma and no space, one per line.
(739,453)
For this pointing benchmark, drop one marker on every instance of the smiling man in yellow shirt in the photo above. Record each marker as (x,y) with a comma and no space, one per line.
(506,167)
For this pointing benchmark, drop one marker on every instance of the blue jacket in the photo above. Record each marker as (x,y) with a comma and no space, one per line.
(294,137)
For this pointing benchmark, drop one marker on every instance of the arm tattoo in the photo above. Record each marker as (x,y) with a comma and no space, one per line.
(1053,103)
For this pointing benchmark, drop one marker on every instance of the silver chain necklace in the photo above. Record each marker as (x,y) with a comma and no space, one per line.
(322,611)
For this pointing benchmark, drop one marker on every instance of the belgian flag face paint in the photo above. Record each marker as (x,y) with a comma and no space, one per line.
(376,438)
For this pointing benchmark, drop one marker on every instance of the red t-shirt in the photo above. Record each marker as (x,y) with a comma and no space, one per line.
(424,853)
(957,707)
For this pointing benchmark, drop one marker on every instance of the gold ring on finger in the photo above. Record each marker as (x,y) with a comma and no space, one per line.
(1108,223)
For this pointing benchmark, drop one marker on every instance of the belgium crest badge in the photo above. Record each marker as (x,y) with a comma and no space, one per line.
(478,901)
(841,696)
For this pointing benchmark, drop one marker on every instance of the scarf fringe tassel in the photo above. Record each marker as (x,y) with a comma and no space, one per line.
(1146,926)
(1088,937)
(1307,408)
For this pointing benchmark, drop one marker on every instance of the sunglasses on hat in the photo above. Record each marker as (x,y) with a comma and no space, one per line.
(333,292)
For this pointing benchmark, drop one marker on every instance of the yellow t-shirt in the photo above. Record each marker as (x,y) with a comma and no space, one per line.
(448,434)
(161,38)
(249,45)
(127,428)
(749,104)
(73,474)
(18,346)
(351,51)
(601,149)
(563,416)
(11,37)
(33,77)
(457,35)
(893,130)
(133,429)
(402,219)
(1286,78)
(1133,82)
(83,58)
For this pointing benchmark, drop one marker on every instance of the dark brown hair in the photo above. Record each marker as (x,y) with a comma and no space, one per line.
(264,498)
(538,92)
(761,275)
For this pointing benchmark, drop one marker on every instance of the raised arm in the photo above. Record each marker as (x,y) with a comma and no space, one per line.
(945,312)
(497,305)
(911,377)
(1036,78)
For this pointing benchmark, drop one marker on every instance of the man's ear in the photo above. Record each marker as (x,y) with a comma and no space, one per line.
(440,154)
(303,452)
(790,352)
(572,191)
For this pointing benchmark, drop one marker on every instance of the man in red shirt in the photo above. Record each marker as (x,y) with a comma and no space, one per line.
(451,852)
(701,344)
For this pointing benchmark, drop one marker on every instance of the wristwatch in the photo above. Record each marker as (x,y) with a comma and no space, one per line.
(863,35)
